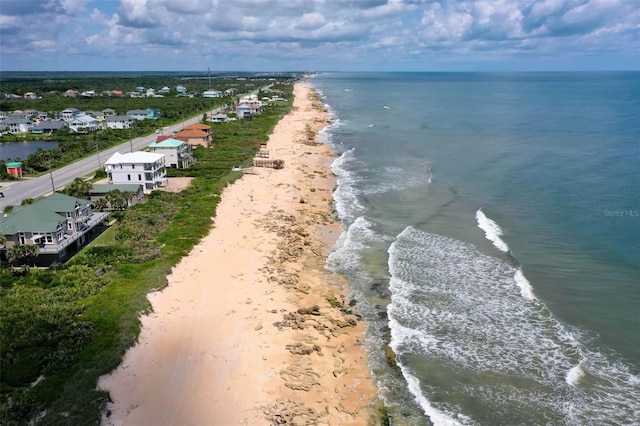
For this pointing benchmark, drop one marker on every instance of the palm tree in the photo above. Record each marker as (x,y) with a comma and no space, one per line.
(100,204)
(118,200)
(78,188)
(23,251)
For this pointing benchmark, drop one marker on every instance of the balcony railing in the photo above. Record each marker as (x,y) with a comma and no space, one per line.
(68,239)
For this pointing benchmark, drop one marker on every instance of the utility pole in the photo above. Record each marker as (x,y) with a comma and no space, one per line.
(130,139)
(53,187)
(98,154)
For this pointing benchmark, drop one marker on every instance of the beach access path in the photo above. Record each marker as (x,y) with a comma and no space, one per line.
(251,328)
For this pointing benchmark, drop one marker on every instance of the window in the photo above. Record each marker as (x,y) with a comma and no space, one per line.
(49,237)
(128,177)
(120,166)
(23,239)
(133,166)
(70,226)
(139,177)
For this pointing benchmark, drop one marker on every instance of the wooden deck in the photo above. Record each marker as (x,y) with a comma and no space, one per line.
(274,164)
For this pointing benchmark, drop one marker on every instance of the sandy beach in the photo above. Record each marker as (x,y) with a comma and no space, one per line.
(251,329)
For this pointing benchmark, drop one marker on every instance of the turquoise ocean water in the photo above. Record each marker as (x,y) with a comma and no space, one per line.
(491,236)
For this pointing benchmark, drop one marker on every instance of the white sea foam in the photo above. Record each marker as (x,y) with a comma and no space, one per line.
(491,230)
(525,287)
(394,178)
(345,196)
(574,375)
(457,308)
(400,335)
(345,254)
(437,417)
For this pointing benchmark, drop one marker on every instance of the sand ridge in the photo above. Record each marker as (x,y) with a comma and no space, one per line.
(251,328)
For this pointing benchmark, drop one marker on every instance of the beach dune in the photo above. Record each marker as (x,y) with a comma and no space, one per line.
(251,328)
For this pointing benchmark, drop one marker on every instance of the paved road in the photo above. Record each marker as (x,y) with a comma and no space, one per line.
(15,192)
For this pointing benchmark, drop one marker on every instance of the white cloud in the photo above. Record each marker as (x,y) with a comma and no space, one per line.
(321,33)
(310,21)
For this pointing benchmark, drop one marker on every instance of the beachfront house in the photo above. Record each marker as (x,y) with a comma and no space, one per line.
(248,109)
(58,225)
(220,118)
(144,168)
(177,153)
(195,137)
(243,111)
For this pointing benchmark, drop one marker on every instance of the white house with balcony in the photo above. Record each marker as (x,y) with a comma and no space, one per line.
(69,114)
(120,122)
(18,125)
(139,114)
(144,168)
(83,123)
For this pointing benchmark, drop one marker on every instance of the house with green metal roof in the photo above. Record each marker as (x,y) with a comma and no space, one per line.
(58,224)
(177,153)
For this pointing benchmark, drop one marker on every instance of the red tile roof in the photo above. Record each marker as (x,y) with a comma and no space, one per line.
(192,133)
(165,137)
(198,126)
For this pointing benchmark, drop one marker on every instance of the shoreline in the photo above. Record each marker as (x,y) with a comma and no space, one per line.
(251,328)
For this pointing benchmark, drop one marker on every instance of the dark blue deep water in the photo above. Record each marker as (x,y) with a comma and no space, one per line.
(491,235)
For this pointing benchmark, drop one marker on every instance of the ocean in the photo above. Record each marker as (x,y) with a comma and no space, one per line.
(491,238)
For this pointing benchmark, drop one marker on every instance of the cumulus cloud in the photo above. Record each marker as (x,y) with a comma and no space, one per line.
(335,30)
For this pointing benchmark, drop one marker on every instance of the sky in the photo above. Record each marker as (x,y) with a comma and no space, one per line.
(319,35)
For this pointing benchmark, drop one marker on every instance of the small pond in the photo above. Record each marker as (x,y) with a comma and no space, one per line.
(15,150)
